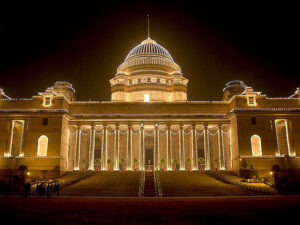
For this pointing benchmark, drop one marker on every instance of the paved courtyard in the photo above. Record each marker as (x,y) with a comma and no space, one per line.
(206,210)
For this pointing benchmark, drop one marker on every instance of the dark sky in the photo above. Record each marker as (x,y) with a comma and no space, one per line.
(84,43)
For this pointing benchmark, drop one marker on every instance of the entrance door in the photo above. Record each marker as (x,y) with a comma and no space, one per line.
(149,159)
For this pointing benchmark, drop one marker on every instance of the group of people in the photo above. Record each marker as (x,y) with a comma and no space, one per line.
(47,189)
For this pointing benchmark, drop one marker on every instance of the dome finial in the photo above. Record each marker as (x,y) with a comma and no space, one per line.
(148,26)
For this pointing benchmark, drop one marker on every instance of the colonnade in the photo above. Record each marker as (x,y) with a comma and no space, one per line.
(157,151)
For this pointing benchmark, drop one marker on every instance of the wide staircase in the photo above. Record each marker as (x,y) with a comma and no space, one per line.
(106,184)
(154,184)
(197,184)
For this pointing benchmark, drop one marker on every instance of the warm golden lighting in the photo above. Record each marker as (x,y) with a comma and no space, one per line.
(251,100)
(47,101)
(42,146)
(256,145)
(146,98)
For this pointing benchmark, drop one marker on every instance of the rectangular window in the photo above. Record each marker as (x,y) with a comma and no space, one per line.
(47,101)
(253,120)
(251,101)
(45,121)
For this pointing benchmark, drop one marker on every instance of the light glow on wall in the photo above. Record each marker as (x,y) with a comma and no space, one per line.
(256,145)
(146,98)
(42,146)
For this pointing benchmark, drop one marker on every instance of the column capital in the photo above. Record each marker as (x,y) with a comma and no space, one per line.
(156,126)
(93,127)
(117,126)
(194,126)
(142,126)
(220,126)
(205,126)
(181,126)
(168,126)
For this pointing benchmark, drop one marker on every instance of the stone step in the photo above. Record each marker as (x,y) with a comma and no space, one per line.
(149,188)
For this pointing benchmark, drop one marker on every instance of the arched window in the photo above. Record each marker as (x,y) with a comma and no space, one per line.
(256,145)
(42,146)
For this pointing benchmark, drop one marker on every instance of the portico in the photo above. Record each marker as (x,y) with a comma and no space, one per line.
(121,144)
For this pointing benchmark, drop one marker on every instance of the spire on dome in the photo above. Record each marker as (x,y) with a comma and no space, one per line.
(148,27)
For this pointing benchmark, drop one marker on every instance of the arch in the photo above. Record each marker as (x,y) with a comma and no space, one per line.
(256,145)
(42,146)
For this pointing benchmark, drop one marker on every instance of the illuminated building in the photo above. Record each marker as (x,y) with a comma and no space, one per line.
(147,122)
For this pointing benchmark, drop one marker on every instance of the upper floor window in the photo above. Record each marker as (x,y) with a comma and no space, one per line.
(45,121)
(251,101)
(47,101)
(253,120)
(42,146)
(256,145)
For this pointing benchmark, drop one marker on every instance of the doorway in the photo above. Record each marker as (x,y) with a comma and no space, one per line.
(149,159)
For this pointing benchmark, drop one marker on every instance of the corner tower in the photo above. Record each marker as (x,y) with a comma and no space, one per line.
(149,74)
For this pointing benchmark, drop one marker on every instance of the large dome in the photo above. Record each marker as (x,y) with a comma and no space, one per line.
(146,56)
(148,47)
(149,73)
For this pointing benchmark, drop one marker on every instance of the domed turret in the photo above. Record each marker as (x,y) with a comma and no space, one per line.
(235,87)
(63,88)
(149,73)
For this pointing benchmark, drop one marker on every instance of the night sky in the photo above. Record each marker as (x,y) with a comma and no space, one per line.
(213,43)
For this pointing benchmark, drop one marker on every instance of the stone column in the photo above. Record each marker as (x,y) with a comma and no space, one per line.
(68,147)
(156,147)
(230,149)
(169,150)
(104,149)
(206,149)
(221,149)
(129,148)
(10,137)
(23,137)
(291,150)
(194,149)
(142,148)
(92,148)
(181,148)
(77,150)
(117,149)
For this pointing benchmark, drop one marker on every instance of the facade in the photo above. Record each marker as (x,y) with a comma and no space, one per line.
(149,123)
